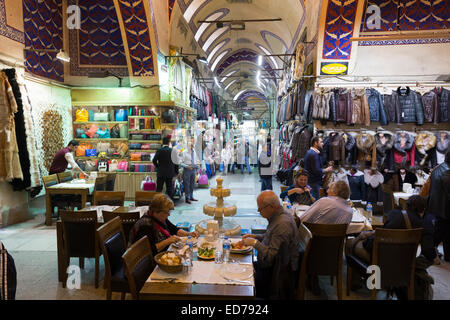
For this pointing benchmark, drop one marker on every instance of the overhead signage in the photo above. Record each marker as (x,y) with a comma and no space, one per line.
(333,68)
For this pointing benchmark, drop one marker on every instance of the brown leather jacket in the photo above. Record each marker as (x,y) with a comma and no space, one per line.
(344,107)
(360,107)
(431,107)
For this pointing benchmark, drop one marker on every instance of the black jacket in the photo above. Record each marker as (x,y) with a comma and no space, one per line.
(164,164)
(376,107)
(438,200)
(444,103)
(410,105)
(395,220)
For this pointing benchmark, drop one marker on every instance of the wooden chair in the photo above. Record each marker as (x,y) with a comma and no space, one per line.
(387,189)
(113,245)
(111,198)
(394,252)
(323,255)
(65,176)
(139,264)
(59,201)
(128,220)
(110,181)
(402,203)
(283,188)
(100,185)
(80,238)
(144,198)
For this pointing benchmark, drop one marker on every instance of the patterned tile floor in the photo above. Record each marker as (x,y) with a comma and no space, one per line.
(33,247)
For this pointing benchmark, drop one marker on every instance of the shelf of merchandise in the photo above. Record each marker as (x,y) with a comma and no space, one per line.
(145,141)
(101,139)
(102,122)
(109,158)
(149,161)
(156,131)
(143,150)
(143,117)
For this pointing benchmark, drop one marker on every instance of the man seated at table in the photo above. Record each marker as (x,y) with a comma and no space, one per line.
(157,227)
(299,192)
(362,245)
(278,250)
(333,209)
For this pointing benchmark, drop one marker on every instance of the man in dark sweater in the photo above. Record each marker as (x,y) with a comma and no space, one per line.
(313,165)
(165,167)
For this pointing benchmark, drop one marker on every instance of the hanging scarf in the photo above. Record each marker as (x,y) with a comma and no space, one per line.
(159,226)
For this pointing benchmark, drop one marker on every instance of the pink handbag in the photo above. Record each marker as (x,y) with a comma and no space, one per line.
(148,184)
(123,165)
(203,179)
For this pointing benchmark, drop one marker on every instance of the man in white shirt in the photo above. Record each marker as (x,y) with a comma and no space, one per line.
(190,164)
(64,157)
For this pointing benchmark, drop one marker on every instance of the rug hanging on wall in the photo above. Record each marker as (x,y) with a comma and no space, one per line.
(52,131)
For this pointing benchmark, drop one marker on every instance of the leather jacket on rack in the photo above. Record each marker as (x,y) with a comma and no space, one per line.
(444,103)
(344,106)
(360,107)
(376,107)
(431,107)
(391,108)
(410,105)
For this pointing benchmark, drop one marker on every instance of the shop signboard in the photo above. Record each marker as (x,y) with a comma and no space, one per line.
(333,68)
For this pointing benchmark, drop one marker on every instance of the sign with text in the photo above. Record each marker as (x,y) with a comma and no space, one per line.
(333,68)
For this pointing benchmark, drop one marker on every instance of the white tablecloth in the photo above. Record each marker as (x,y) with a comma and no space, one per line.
(204,272)
(74,184)
(142,210)
(401,195)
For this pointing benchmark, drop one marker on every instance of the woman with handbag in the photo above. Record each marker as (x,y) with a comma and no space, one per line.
(64,157)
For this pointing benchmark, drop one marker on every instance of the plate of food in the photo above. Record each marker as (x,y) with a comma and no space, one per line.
(239,247)
(205,253)
(182,242)
(169,262)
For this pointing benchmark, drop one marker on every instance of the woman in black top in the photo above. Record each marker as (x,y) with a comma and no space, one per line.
(156,226)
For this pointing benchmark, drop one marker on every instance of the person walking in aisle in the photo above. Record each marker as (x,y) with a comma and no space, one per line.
(64,157)
(165,167)
(313,165)
(190,164)
(265,168)
(225,157)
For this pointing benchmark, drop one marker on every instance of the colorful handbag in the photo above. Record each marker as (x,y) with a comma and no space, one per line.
(123,149)
(203,179)
(121,115)
(103,146)
(110,152)
(104,133)
(91,165)
(113,165)
(155,136)
(80,133)
(91,152)
(102,165)
(137,137)
(157,125)
(102,155)
(92,131)
(135,156)
(91,115)
(135,146)
(145,146)
(155,146)
(81,149)
(148,184)
(123,166)
(81,115)
(115,132)
(145,157)
(123,131)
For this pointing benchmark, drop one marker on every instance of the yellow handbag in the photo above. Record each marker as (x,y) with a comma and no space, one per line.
(82,115)
(157,124)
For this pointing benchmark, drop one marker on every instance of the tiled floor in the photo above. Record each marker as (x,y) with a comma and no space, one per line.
(33,247)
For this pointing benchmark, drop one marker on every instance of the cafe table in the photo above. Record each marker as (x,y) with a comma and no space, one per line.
(201,286)
(74,187)
(59,233)
(401,195)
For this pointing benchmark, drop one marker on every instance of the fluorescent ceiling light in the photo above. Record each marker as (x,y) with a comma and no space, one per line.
(205,25)
(202,60)
(219,58)
(260,60)
(216,49)
(229,74)
(216,34)
(217,82)
(63,56)
(268,53)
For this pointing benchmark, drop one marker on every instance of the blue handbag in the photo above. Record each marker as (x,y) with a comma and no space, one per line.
(91,115)
(104,133)
(121,115)
(90,152)
(80,133)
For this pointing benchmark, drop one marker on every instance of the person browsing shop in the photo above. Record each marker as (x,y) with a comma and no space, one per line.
(64,157)
(157,227)
(190,164)
(313,165)
(165,167)
(299,192)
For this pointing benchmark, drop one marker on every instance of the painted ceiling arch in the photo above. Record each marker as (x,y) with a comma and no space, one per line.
(243,55)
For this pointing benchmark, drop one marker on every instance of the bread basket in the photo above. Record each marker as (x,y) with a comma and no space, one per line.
(167,268)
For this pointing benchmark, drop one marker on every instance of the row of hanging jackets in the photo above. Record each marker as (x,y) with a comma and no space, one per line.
(293,104)
(295,139)
(386,149)
(363,106)
(294,71)
(18,155)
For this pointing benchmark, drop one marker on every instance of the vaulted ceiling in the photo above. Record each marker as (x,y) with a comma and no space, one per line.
(233,55)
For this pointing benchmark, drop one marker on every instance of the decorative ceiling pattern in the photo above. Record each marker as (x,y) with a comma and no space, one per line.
(95,46)
(138,37)
(6,30)
(412,15)
(243,55)
(43,30)
(251,93)
(171,5)
(339,26)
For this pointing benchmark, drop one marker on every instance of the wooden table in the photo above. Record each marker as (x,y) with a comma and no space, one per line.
(60,244)
(82,189)
(199,291)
